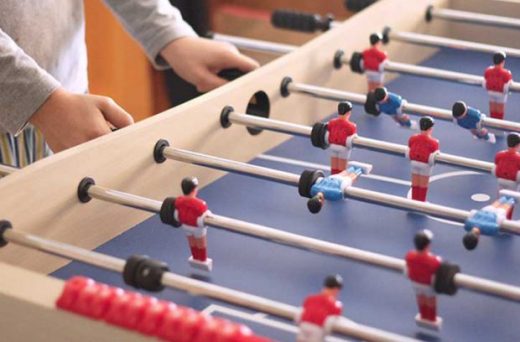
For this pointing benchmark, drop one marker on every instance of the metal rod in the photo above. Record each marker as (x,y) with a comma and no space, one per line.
(64,250)
(231,165)
(453,76)
(474,18)
(195,287)
(358,141)
(508,226)
(255,44)
(251,229)
(435,41)
(408,108)
(6,170)
(299,241)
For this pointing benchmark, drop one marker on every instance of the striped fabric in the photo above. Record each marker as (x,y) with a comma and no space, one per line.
(24,149)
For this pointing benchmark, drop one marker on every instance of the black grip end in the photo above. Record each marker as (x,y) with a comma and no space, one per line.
(358,5)
(83,187)
(4,226)
(209,35)
(300,21)
(230,74)
(158,151)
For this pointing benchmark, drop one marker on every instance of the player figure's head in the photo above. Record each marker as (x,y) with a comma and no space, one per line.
(459,109)
(423,240)
(333,284)
(381,94)
(316,203)
(470,239)
(344,109)
(513,141)
(499,59)
(426,124)
(376,40)
(189,186)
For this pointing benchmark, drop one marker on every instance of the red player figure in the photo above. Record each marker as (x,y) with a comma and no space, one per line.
(340,134)
(421,268)
(319,311)
(507,166)
(497,80)
(190,212)
(422,150)
(374,60)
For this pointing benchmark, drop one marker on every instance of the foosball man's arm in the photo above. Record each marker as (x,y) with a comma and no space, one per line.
(444,282)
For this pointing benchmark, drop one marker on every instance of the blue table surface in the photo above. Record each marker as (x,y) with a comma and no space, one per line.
(371,296)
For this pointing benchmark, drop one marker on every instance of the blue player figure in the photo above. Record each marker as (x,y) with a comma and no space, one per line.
(392,105)
(487,220)
(333,187)
(471,118)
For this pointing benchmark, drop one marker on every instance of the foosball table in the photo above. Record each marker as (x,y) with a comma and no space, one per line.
(94,238)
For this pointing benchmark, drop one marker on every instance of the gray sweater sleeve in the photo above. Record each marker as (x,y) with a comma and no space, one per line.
(153,23)
(24,85)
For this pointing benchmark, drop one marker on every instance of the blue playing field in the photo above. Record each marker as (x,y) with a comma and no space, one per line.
(371,296)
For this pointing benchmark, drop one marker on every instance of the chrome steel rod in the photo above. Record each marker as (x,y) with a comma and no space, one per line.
(231,165)
(474,18)
(508,226)
(435,41)
(421,71)
(299,241)
(64,250)
(195,287)
(408,108)
(6,170)
(358,141)
(255,44)
(124,198)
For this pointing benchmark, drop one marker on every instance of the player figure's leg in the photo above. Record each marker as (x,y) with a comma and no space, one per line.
(422,305)
(192,241)
(202,248)
(403,119)
(483,133)
(335,162)
(310,333)
(431,308)
(375,79)
(341,165)
(420,180)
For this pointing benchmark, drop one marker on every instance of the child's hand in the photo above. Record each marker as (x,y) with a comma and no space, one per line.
(67,119)
(199,60)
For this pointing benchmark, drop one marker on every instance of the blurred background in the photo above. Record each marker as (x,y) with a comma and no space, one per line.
(119,69)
